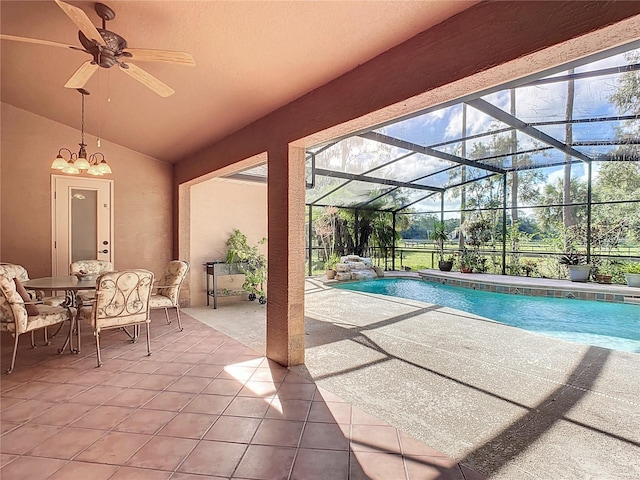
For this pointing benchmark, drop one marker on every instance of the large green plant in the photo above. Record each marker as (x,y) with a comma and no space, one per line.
(249,259)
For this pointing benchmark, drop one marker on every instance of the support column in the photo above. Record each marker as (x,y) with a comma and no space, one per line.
(286,242)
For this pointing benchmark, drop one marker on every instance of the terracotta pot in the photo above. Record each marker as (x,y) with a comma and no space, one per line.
(331,274)
(466,269)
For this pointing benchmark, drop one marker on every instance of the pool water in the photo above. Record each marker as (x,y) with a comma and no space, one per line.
(604,324)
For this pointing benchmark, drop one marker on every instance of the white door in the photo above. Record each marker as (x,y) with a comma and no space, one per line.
(82,221)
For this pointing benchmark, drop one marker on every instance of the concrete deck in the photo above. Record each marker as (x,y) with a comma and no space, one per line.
(509,403)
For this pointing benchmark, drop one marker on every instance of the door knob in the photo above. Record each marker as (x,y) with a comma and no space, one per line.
(104,251)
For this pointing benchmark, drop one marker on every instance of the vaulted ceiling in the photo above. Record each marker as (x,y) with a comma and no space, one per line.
(251,57)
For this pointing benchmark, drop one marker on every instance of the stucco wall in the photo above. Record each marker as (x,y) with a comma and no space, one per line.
(143,188)
(218,207)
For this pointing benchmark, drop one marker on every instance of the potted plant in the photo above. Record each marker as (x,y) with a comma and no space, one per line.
(250,262)
(632,274)
(439,236)
(330,265)
(576,263)
(468,261)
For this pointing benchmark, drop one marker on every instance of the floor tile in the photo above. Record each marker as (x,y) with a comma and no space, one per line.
(145,421)
(376,466)
(238,373)
(297,391)
(30,468)
(63,392)
(321,465)
(6,458)
(124,379)
(432,468)
(131,473)
(22,439)
(255,388)
(82,470)
(97,395)
(247,407)
(211,404)
(282,433)
(63,414)
(189,384)
(104,417)
(177,369)
(412,446)
(132,397)
(188,425)
(114,448)
(25,410)
(223,386)
(29,390)
(327,436)
(374,438)
(262,462)
(330,412)
(205,370)
(8,426)
(163,453)
(233,429)
(156,382)
(67,443)
(213,458)
(288,409)
(174,401)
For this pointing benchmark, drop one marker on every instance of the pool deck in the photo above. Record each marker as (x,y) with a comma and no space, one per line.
(508,403)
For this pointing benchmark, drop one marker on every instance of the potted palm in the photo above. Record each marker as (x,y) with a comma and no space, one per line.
(632,274)
(439,236)
(577,265)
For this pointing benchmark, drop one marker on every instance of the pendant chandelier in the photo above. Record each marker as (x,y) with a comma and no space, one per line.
(95,164)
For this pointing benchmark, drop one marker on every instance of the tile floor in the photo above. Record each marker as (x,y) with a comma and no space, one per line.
(202,406)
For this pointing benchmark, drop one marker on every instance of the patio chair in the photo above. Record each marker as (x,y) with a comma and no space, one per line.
(91,267)
(19,314)
(121,300)
(168,289)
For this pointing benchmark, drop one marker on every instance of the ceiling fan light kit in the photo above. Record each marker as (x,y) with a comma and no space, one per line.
(94,164)
(108,49)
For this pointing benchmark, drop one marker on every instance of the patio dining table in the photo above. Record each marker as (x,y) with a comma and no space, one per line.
(71,286)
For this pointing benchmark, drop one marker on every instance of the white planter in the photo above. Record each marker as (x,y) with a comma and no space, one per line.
(633,279)
(579,273)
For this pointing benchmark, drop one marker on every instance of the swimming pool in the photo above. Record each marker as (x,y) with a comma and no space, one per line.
(604,324)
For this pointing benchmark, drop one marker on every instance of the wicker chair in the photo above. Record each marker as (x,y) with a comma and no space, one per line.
(168,289)
(121,300)
(20,315)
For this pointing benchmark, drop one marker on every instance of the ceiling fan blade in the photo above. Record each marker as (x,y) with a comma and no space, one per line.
(82,75)
(146,55)
(81,20)
(35,40)
(148,80)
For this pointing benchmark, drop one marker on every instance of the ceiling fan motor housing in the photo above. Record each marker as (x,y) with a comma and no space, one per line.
(105,56)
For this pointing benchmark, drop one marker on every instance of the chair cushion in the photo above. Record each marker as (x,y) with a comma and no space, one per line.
(32,310)
(159,301)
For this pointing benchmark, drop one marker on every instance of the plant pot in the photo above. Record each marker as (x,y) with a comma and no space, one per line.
(466,269)
(579,273)
(331,274)
(603,278)
(445,265)
(633,279)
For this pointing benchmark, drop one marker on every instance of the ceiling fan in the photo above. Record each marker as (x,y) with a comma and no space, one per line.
(108,49)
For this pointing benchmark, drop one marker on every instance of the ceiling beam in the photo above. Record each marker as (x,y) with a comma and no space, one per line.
(396,142)
(504,117)
(382,181)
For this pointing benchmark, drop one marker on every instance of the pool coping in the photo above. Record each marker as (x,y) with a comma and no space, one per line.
(537,287)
